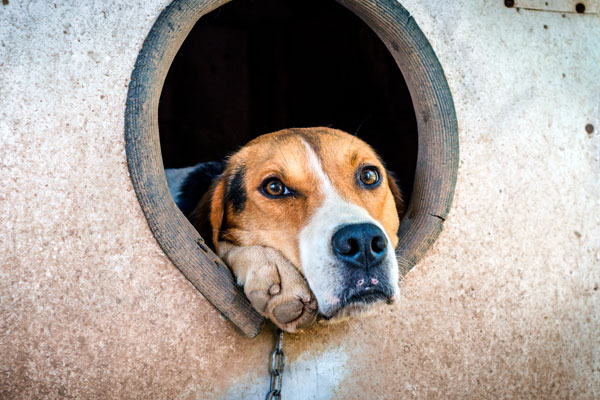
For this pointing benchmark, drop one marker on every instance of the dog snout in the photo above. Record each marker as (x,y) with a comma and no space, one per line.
(360,245)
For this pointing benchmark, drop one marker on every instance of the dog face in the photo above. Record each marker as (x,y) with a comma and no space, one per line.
(324,200)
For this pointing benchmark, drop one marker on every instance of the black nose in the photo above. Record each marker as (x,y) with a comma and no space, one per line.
(360,245)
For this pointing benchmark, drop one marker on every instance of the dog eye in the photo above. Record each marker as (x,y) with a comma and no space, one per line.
(273,187)
(369,176)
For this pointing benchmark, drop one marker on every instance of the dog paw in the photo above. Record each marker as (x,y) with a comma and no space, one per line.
(279,292)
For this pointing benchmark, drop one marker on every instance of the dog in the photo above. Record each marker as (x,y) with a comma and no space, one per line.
(306,219)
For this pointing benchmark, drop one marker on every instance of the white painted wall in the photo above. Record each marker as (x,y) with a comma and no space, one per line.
(504,305)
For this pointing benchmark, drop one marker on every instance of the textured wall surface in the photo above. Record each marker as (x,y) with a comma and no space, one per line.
(505,304)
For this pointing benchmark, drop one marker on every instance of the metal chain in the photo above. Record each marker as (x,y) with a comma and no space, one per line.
(277,364)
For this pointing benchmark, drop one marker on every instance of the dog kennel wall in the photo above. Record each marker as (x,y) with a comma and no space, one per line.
(502,304)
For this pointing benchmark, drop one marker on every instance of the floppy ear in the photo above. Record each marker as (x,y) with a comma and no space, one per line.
(207,217)
(397,193)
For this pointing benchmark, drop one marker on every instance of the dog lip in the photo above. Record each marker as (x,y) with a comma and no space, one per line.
(366,296)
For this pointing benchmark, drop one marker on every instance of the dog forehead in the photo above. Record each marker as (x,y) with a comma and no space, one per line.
(293,151)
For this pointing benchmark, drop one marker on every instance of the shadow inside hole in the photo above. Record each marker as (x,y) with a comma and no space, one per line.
(256,66)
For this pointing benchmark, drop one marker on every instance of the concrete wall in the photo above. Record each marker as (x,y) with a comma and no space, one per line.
(504,305)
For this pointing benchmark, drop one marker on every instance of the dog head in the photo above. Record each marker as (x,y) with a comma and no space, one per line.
(322,198)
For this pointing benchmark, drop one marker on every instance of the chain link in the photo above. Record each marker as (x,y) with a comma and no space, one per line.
(277,365)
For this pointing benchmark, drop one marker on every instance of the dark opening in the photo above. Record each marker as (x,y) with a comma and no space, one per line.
(256,66)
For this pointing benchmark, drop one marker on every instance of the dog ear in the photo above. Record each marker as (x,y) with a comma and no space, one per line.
(197,183)
(210,213)
(207,217)
(397,193)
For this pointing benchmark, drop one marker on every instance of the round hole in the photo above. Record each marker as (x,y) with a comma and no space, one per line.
(580,8)
(290,64)
(437,158)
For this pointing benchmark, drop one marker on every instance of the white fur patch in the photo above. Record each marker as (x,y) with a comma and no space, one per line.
(319,264)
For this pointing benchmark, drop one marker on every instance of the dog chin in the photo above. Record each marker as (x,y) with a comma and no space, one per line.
(353,310)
